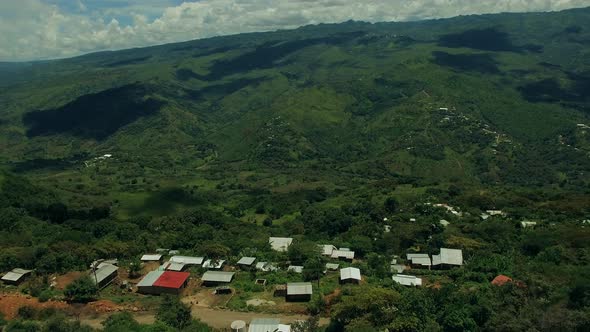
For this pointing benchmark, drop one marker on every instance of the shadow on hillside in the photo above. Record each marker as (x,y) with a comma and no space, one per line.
(128,61)
(94,115)
(482,63)
(550,90)
(489,39)
(266,55)
(221,90)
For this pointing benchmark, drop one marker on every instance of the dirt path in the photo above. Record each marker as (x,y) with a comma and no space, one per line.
(216,318)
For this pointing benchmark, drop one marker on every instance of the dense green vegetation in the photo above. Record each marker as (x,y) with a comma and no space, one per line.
(318,133)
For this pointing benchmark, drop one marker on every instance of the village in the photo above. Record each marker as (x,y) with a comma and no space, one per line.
(212,283)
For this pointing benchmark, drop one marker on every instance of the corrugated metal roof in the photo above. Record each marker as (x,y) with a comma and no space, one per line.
(407,280)
(399,268)
(350,273)
(332,266)
(187,260)
(299,288)
(266,266)
(217,276)
(425,261)
(280,243)
(451,256)
(12,276)
(150,279)
(175,266)
(171,279)
(103,272)
(264,325)
(416,255)
(327,249)
(151,257)
(343,254)
(247,261)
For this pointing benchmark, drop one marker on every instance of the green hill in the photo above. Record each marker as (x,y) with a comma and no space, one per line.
(487,103)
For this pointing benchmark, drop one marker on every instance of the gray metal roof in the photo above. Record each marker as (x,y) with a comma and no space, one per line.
(21,271)
(213,264)
(187,260)
(425,261)
(266,266)
(280,243)
(150,278)
(247,261)
(173,266)
(218,276)
(407,280)
(399,268)
(151,257)
(416,255)
(350,273)
(264,325)
(103,272)
(299,288)
(332,266)
(451,256)
(343,254)
(11,276)
(327,249)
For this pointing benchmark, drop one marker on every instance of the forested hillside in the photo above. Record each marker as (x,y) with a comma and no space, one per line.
(320,133)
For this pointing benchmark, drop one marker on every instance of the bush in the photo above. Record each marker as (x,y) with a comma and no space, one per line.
(45,295)
(81,290)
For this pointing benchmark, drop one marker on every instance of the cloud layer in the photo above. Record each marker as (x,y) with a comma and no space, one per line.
(42,29)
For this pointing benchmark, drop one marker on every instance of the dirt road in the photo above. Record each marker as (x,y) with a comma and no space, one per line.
(216,318)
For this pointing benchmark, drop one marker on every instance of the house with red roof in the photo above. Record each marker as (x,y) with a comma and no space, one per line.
(160,282)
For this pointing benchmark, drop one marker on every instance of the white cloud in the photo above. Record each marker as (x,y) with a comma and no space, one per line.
(31,29)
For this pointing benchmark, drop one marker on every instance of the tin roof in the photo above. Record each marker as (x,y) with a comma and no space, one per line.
(332,266)
(327,249)
(187,260)
(172,279)
(343,254)
(350,273)
(150,279)
(416,255)
(449,256)
(213,264)
(247,261)
(295,268)
(173,266)
(151,257)
(425,261)
(11,276)
(218,276)
(280,243)
(264,325)
(299,288)
(407,280)
(103,272)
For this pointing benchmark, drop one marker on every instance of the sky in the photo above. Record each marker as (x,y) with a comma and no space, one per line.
(49,29)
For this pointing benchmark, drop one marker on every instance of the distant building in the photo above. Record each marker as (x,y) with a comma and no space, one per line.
(295,268)
(350,275)
(280,243)
(151,258)
(172,266)
(407,280)
(268,325)
(448,257)
(16,276)
(266,266)
(215,278)
(104,274)
(444,223)
(246,261)
(187,260)
(327,249)
(419,260)
(343,254)
(213,264)
(160,282)
(299,291)
(332,266)
(397,268)
(528,224)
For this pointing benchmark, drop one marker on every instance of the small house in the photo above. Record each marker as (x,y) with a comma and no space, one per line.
(350,275)
(266,267)
(178,267)
(16,276)
(327,249)
(448,257)
(268,325)
(280,243)
(215,278)
(528,224)
(187,260)
(299,291)
(397,268)
(407,280)
(151,258)
(160,282)
(332,266)
(246,262)
(104,274)
(347,255)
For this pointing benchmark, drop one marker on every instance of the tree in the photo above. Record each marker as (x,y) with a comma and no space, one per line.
(81,290)
(122,321)
(313,269)
(390,205)
(135,268)
(312,324)
(174,313)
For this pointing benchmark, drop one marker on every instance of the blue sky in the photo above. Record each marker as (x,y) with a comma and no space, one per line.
(48,29)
